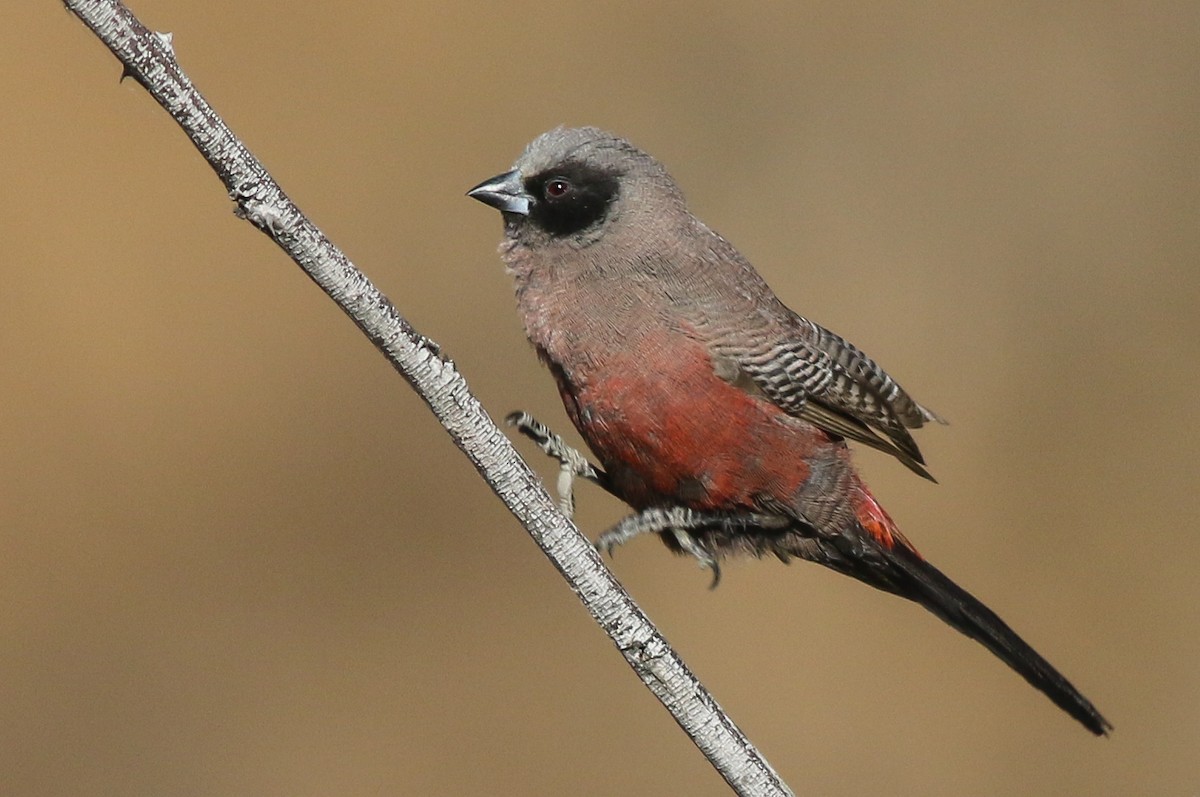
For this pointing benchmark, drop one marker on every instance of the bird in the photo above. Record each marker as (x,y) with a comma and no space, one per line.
(718,414)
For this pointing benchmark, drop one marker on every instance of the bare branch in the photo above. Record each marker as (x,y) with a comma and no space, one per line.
(148,58)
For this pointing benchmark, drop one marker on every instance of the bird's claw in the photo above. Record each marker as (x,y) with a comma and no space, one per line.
(693,546)
(679,521)
(604,547)
(571,462)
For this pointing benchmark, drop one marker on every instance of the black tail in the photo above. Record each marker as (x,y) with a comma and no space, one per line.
(901,570)
(920,581)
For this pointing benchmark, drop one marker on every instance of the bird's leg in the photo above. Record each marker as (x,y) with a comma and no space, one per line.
(571,462)
(680,522)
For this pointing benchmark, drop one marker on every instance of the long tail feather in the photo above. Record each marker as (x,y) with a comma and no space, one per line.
(914,578)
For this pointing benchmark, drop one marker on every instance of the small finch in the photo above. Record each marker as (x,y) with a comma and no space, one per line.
(720,415)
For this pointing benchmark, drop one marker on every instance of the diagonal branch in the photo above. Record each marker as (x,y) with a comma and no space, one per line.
(149,59)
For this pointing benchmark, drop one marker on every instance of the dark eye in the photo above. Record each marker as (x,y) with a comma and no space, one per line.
(557,188)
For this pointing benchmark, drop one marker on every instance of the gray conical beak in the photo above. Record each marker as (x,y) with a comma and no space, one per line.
(504,192)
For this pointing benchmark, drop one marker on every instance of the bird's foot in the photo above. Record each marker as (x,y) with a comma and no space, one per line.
(571,462)
(681,522)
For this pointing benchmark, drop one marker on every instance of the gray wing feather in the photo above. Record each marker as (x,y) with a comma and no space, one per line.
(817,376)
(759,344)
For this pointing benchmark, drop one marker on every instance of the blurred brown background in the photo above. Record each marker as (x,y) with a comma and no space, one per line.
(238,556)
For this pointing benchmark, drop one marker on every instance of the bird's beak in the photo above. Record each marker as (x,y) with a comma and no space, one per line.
(503,192)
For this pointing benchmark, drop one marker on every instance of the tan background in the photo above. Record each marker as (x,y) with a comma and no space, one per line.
(238,556)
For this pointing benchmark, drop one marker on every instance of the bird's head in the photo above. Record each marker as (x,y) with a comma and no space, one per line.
(572,184)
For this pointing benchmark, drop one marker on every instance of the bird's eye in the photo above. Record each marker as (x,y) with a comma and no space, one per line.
(557,188)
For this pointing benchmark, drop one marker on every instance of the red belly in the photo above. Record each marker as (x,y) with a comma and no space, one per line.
(670,431)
